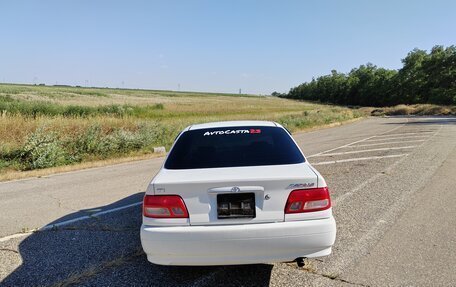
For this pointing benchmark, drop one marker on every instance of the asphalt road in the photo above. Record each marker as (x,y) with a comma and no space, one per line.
(393,188)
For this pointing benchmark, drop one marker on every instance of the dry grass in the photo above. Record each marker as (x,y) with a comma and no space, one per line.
(419,110)
(176,111)
(15,128)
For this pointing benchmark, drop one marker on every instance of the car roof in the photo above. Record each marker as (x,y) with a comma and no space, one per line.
(226,124)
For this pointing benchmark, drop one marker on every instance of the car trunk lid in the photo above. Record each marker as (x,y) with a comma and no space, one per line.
(207,191)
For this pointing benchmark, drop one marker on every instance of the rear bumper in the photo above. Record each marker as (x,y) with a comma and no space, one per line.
(238,244)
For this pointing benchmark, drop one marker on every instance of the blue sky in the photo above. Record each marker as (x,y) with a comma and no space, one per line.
(217,46)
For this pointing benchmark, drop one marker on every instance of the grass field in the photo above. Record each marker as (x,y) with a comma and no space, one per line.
(43,127)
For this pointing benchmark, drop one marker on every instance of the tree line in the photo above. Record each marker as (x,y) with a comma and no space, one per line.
(425,78)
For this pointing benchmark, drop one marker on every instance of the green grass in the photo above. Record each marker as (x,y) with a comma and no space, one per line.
(42,108)
(43,126)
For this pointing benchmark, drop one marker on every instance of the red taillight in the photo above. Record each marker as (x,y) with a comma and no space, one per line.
(307,200)
(164,206)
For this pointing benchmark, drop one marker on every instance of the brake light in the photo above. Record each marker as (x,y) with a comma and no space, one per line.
(164,206)
(308,200)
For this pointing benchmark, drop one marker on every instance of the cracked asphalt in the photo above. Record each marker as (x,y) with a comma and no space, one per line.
(395,215)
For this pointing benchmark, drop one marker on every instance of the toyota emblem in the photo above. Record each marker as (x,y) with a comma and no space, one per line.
(235,189)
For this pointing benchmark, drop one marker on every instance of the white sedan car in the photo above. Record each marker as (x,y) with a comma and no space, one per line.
(236,192)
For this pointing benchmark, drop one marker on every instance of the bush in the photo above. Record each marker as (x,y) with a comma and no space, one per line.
(122,141)
(42,149)
(87,142)
(95,141)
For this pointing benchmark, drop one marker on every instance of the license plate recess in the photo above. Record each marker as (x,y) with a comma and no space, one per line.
(236,205)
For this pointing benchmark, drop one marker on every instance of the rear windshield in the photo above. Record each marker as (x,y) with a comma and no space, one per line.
(231,147)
